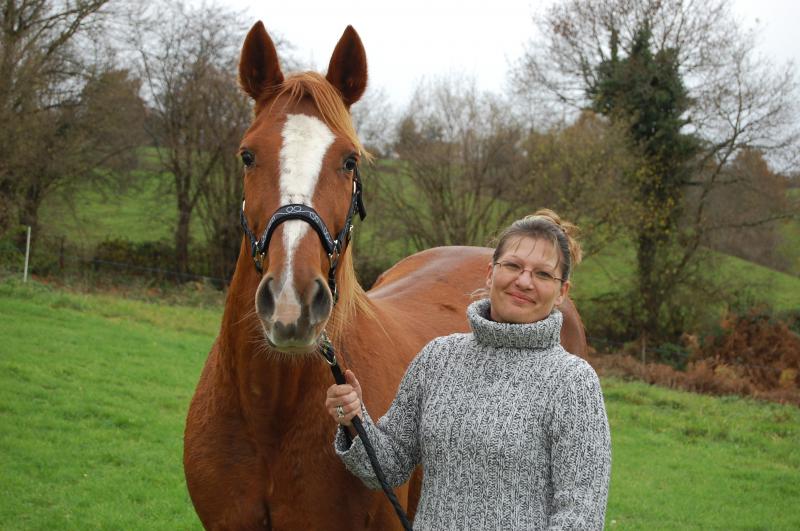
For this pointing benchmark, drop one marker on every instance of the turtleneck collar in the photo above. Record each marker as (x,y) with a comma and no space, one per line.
(539,335)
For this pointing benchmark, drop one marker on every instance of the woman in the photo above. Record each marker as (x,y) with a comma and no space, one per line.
(510,429)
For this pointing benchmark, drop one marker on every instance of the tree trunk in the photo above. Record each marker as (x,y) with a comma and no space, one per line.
(648,283)
(182,239)
(29,214)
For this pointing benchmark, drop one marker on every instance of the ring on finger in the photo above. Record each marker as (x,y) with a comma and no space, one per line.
(340,411)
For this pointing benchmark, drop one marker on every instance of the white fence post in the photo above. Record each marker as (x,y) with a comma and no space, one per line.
(27,255)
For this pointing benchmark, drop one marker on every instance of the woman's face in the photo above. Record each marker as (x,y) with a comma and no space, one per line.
(523,284)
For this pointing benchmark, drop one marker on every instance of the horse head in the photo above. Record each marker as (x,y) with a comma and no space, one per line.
(301,187)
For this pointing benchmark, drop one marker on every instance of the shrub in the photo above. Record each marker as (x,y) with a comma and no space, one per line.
(136,258)
(752,354)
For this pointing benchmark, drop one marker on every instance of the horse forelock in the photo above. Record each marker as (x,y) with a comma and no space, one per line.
(326,99)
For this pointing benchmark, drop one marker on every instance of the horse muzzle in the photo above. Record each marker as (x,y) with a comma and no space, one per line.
(293,319)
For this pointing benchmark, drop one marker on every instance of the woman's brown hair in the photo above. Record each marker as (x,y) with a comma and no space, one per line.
(545,224)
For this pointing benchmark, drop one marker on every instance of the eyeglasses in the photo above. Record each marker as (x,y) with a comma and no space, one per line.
(514,270)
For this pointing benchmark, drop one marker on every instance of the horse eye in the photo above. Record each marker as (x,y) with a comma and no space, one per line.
(350,164)
(248,158)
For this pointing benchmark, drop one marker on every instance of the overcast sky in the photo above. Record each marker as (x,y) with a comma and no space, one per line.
(410,40)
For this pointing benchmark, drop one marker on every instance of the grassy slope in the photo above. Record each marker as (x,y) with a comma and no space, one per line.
(144,210)
(790,231)
(605,271)
(94,389)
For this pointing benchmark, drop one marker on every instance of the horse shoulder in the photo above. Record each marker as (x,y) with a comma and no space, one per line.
(224,475)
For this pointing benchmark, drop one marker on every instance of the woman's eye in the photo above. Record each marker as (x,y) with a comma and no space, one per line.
(248,158)
(350,164)
(544,275)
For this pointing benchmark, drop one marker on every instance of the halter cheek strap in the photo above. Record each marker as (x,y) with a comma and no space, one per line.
(334,247)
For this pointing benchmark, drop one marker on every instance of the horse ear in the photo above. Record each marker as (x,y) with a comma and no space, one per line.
(259,70)
(347,70)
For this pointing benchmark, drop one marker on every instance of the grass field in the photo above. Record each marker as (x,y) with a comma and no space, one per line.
(94,390)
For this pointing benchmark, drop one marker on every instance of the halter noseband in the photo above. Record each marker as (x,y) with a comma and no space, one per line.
(334,247)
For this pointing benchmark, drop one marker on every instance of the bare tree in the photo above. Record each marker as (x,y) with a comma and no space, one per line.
(580,170)
(737,220)
(185,55)
(45,66)
(375,122)
(221,196)
(458,153)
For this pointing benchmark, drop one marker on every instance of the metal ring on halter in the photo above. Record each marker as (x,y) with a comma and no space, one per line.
(340,412)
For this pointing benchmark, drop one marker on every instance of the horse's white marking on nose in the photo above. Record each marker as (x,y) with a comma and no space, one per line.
(287,306)
(305,141)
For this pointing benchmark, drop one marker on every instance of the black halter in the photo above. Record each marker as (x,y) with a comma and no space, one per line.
(334,247)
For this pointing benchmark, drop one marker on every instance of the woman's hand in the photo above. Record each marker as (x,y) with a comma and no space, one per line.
(343,402)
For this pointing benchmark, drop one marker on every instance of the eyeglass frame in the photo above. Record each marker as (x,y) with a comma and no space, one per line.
(534,274)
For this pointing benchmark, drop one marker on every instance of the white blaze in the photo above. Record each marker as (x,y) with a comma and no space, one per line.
(305,141)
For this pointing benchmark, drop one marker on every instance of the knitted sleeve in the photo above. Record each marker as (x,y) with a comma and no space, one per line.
(395,437)
(580,453)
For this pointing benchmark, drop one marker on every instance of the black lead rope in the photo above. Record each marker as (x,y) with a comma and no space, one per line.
(326,349)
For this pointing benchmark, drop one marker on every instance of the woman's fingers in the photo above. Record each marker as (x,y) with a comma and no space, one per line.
(337,391)
(342,403)
(343,398)
(351,379)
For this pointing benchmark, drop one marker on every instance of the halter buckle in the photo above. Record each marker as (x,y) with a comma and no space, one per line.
(333,256)
(326,351)
(258,258)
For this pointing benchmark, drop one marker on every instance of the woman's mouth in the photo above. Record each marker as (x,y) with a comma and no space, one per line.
(519,297)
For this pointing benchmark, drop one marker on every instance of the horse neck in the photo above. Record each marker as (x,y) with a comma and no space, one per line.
(264,379)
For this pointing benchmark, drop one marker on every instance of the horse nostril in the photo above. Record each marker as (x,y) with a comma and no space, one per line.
(282,331)
(321,303)
(265,300)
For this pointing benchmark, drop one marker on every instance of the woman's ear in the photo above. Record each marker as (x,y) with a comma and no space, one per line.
(563,292)
(489,270)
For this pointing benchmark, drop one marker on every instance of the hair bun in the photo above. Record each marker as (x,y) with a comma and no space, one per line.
(570,230)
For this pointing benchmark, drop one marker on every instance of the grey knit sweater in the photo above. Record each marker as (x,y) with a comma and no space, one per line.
(510,429)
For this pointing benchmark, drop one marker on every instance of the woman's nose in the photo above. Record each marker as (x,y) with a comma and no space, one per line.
(524,279)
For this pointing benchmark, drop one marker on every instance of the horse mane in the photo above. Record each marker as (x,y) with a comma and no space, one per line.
(328,102)
(352,298)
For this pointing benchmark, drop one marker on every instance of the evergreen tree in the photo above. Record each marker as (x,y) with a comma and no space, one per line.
(645,92)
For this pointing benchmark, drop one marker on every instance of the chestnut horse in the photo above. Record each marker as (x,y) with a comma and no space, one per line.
(258,446)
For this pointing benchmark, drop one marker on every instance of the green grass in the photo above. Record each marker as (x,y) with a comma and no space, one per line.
(93,393)
(94,390)
(790,232)
(780,289)
(685,461)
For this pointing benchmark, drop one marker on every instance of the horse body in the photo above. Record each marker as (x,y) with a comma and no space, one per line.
(258,450)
